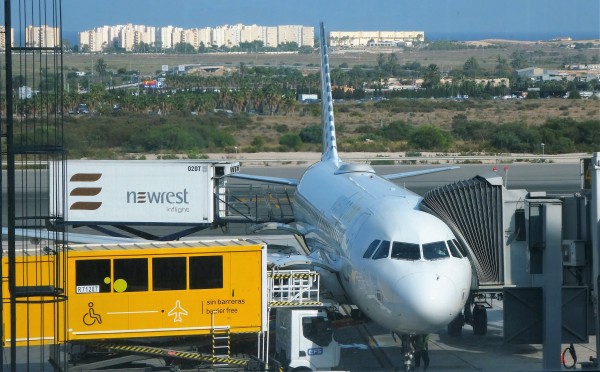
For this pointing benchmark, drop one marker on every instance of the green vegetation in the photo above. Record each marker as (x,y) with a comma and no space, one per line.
(120,136)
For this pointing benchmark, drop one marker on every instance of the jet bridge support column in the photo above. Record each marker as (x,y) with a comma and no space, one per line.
(595,235)
(552,283)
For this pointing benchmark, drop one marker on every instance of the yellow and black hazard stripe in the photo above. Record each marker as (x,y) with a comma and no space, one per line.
(294,303)
(155,351)
(293,275)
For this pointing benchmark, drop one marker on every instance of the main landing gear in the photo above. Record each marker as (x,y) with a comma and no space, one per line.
(475,314)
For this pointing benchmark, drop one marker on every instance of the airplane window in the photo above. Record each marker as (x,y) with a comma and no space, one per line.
(453,250)
(435,250)
(371,248)
(383,251)
(460,248)
(406,251)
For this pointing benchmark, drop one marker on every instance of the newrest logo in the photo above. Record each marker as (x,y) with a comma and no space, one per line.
(86,191)
(157,197)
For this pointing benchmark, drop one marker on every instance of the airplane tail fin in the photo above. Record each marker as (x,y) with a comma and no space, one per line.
(329,143)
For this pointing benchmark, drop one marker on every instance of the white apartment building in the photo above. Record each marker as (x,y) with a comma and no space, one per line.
(131,36)
(42,36)
(3,37)
(374,38)
(128,36)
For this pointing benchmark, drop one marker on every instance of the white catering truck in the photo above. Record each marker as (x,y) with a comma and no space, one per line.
(304,339)
(139,191)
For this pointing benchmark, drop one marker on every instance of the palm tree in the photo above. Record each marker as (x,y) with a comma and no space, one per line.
(432,76)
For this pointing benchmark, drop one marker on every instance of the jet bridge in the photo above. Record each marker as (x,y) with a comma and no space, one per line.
(532,249)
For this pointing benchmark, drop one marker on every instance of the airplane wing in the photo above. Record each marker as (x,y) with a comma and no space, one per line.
(396,176)
(266,179)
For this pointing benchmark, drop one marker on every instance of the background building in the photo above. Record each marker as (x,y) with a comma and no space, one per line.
(3,37)
(128,36)
(375,38)
(42,36)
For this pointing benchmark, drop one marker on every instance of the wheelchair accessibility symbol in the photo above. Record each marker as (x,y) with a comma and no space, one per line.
(91,317)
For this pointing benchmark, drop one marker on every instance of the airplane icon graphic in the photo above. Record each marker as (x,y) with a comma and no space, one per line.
(177,311)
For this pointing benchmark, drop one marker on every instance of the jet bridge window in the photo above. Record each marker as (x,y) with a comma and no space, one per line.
(406,251)
(435,250)
(453,249)
(383,251)
(371,249)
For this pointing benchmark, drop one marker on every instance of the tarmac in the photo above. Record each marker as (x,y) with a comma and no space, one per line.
(465,353)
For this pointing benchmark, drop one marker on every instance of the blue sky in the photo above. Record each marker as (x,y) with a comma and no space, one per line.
(443,17)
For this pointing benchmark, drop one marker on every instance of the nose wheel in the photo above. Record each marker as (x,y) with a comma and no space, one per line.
(408,353)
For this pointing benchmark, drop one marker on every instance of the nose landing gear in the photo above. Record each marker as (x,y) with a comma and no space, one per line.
(408,353)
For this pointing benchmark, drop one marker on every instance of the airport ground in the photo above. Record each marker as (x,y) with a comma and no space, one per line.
(367,347)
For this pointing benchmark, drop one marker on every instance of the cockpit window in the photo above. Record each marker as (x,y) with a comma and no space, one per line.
(435,250)
(406,251)
(453,249)
(383,251)
(371,248)
(460,247)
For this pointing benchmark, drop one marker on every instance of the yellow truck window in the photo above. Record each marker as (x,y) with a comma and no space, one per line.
(131,275)
(168,273)
(206,272)
(92,276)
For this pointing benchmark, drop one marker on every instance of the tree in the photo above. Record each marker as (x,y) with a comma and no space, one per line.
(100,67)
(428,137)
(311,134)
(502,67)
(518,61)
(471,67)
(184,48)
(291,141)
(432,76)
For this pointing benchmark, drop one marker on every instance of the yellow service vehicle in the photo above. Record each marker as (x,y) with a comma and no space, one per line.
(141,290)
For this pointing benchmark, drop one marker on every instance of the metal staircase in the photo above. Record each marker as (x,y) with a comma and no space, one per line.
(221,345)
(293,288)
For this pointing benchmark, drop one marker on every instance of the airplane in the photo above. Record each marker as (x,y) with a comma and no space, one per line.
(401,266)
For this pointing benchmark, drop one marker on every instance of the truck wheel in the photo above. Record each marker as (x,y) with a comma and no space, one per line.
(479,320)
(301,369)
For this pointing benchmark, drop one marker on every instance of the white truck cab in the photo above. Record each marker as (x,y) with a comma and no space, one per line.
(304,339)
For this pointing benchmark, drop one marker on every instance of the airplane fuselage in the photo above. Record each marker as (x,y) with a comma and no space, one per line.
(410,281)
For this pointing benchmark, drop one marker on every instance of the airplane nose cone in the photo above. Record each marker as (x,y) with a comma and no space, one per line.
(432,299)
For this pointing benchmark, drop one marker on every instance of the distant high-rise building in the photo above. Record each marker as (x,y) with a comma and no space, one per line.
(3,38)
(128,36)
(43,36)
